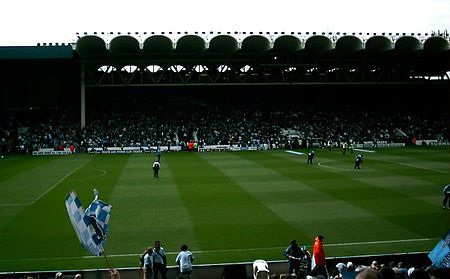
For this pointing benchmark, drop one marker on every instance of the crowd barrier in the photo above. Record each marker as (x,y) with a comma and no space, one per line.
(213,148)
(51,151)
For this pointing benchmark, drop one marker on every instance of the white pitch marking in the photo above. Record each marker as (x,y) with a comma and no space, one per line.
(238,250)
(365,150)
(49,189)
(295,152)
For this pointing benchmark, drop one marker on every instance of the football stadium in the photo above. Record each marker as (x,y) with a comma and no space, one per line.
(257,136)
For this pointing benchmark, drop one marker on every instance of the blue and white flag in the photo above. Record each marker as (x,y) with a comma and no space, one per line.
(90,225)
(440,255)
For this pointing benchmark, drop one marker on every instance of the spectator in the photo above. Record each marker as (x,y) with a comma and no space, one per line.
(375,265)
(148,263)
(159,261)
(294,255)
(114,274)
(184,259)
(368,273)
(319,258)
(387,272)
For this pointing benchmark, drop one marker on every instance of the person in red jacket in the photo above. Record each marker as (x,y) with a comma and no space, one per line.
(320,268)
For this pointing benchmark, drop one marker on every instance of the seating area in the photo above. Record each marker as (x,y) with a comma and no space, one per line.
(219,124)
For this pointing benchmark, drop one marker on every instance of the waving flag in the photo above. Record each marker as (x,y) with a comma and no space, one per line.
(91,226)
(440,255)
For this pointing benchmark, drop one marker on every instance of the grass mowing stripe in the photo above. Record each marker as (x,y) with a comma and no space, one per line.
(264,184)
(36,180)
(390,209)
(223,213)
(156,211)
(46,225)
(370,205)
(26,187)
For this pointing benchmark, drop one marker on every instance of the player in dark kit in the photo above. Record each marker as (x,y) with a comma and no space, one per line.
(358,161)
(156,167)
(310,157)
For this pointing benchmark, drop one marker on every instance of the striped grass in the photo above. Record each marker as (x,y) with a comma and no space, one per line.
(226,206)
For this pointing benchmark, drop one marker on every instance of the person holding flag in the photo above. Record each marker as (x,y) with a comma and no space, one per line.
(90,225)
(440,255)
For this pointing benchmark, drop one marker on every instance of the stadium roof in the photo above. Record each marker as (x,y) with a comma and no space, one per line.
(262,58)
(247,58)
(127,46)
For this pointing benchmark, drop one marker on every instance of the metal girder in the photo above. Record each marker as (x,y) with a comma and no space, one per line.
(257,71)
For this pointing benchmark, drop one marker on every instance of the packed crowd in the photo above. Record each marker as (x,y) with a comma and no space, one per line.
(214,124)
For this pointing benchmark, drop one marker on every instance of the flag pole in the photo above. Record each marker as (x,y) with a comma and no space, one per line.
(106,259)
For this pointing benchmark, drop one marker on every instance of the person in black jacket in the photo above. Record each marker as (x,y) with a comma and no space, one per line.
(156,167)
(294,255)
(310,157)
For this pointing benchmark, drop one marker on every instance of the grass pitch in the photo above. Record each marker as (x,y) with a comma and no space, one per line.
(226,206)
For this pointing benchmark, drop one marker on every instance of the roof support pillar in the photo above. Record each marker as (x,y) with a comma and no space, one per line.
(83,96)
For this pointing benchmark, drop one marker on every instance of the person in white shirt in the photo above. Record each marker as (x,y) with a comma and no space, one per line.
(184,260)
(148,264)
